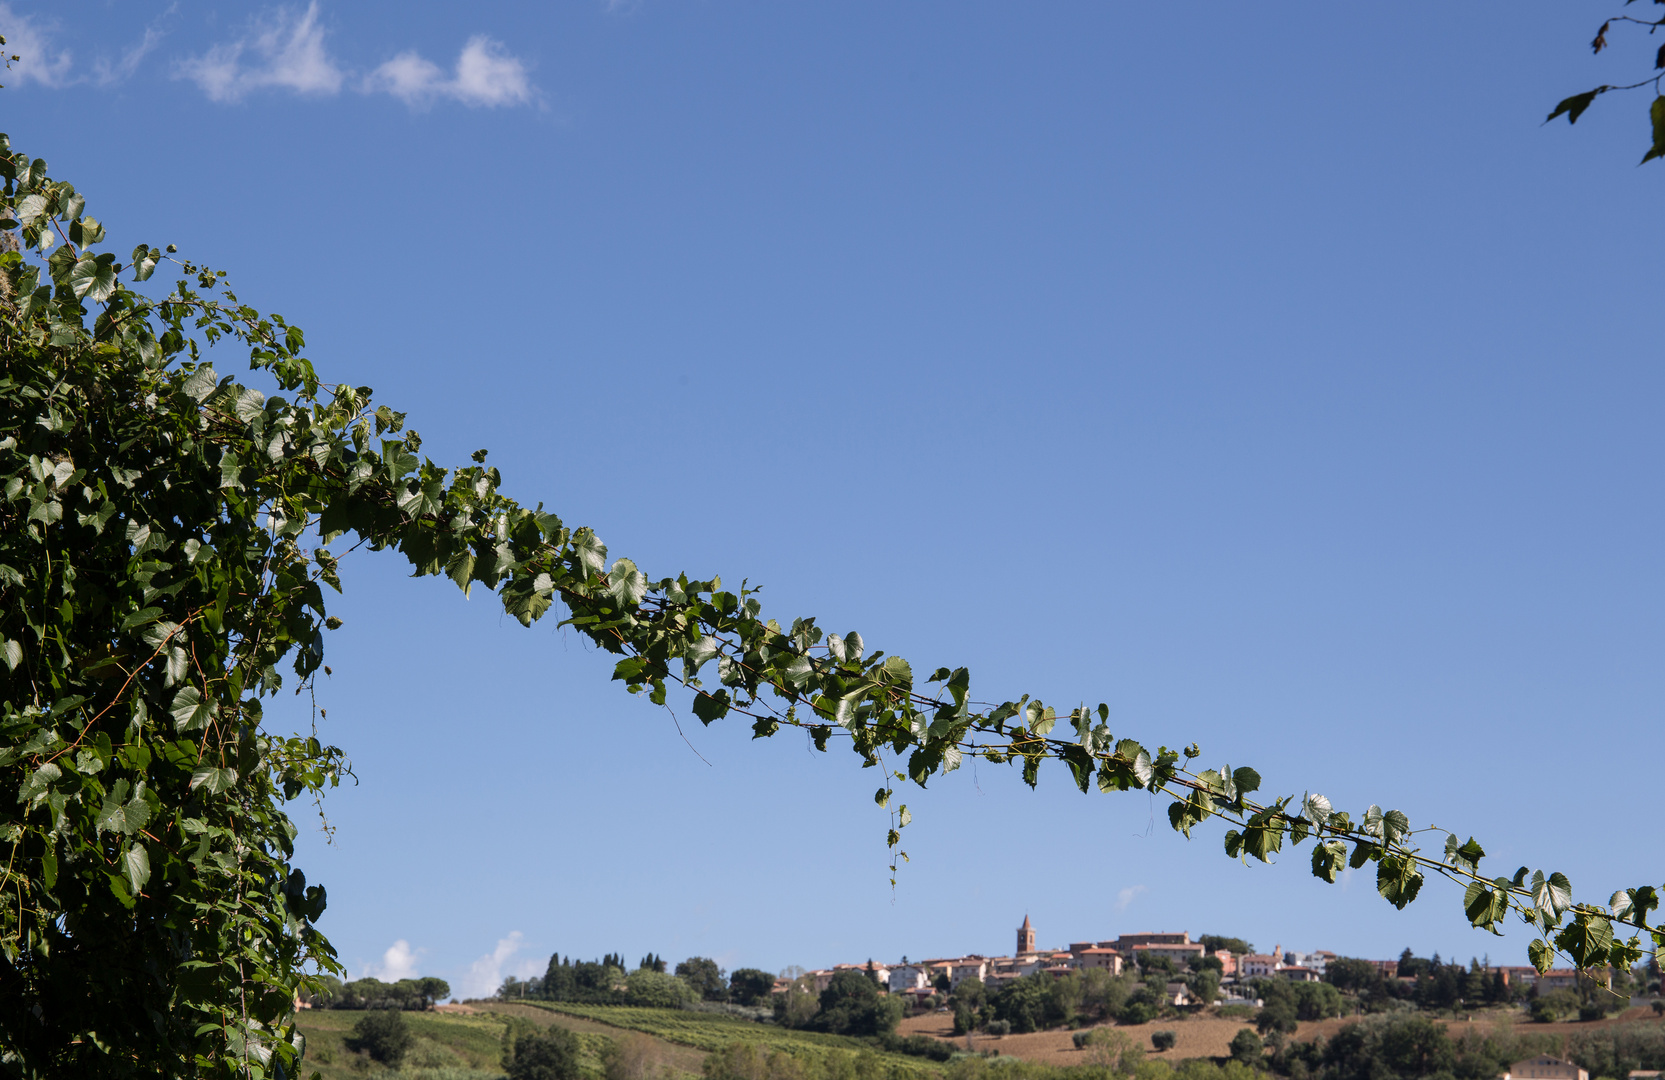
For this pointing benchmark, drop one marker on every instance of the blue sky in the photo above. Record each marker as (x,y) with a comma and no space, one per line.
(1272,375)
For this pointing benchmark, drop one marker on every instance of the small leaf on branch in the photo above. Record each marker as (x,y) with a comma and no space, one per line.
(1540,954)
(135,867)
(1574,106)
(1328,859)
(1398,880)
(1656,113)
(1586,939)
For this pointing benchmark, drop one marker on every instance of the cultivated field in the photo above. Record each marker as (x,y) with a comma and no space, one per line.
(458,1047)
(1210,1037)
(714,1031)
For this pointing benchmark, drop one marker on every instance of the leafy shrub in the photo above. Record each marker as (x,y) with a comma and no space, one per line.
(1547,1008)
(999,1028)
(851,1005)
(1246,1047)
(1163,1040)
(383,1034)
(1080,1038)
(1137,1011)
(551,1054)
(646,988)
(917,1046)
(750,986)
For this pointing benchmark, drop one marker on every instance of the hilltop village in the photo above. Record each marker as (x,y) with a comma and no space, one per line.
(1213,1008)
(1140,953)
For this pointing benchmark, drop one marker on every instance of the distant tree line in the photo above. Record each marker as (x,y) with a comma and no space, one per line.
(410,995)
(607,982)
(1433,985)
(1409,1046)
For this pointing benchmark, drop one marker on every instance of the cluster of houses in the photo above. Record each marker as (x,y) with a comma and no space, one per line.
(922,978)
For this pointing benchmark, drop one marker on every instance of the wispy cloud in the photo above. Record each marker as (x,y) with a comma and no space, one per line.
(486,974)
(398,962)
(31,41)
(1128,895)
(485,75)
(284,51)
(107,74)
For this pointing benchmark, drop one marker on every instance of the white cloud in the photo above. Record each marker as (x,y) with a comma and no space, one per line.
(485,75)
(108,74)
(284,51)
(398,962)
(486,974)
(31,42)
(1128,895)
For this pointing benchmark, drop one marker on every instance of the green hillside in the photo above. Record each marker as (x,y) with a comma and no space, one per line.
(463,1046)
(448,1046)
(820,1055)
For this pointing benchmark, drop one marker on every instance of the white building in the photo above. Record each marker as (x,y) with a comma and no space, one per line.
(906,978)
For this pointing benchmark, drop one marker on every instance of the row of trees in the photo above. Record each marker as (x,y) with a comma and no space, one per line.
(850,1005)
(608,982)
(1429,984)
(1408,1046)
(412,995)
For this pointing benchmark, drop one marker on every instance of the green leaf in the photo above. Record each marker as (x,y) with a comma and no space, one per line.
(626,584)
(1486,904)
(135,867)
(1328,859)
(1551,895)
(1656,112)
(1574,106)
(1641,901)
(1586,939)
(1245,780)
(190,712)
(201,383)
(709,707)
(591,552)
(144,262)
(1316,809)
(700,652)
(215,780)
(13,655)
(1398,880)
(1540,954)
(1463,856)
(93,277)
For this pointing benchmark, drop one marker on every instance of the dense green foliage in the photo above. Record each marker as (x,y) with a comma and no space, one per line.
(414,994)
(647,988)
(705,977)
(550,1053)
(384,1035)
(852,1005)
(1286,1003)
(565,979)
(749,986)
(1215,942)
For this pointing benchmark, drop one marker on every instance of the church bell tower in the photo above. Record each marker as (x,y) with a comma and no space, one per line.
(1026,938)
